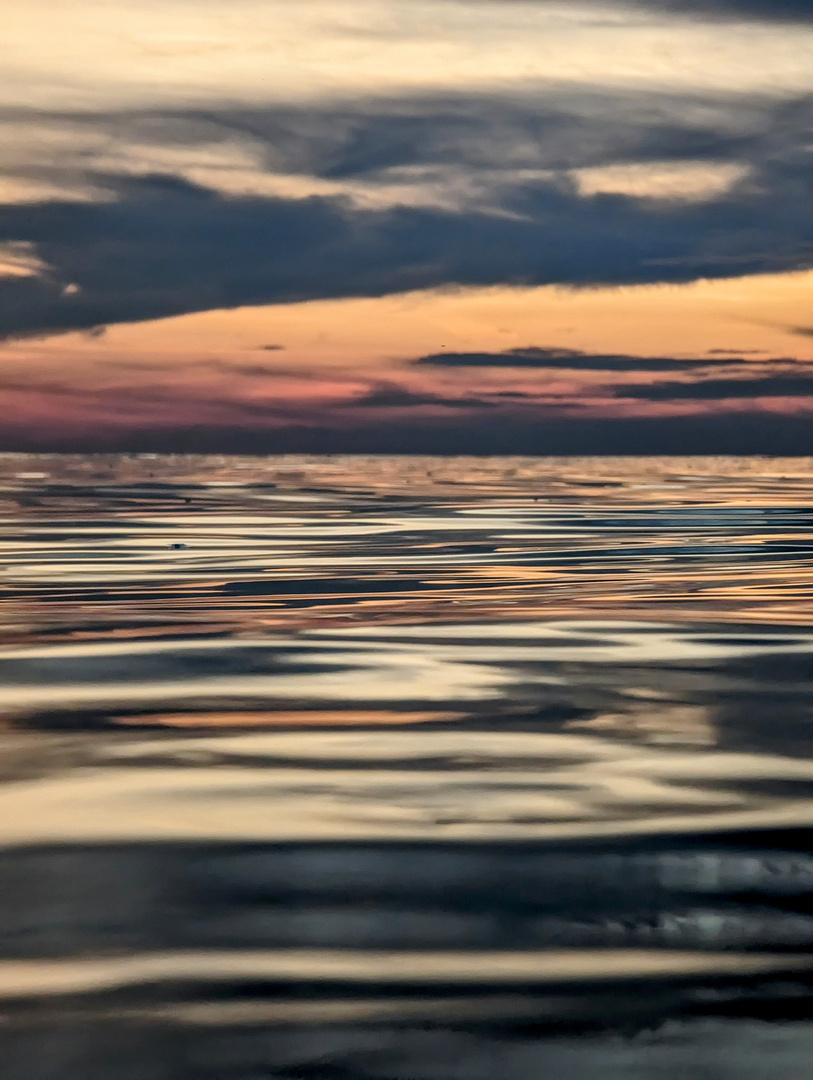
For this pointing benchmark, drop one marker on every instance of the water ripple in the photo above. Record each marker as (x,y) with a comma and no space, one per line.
(392,767)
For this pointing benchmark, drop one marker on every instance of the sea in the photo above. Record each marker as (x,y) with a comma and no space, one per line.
(406,768)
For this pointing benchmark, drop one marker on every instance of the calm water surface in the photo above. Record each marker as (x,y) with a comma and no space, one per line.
(405,768)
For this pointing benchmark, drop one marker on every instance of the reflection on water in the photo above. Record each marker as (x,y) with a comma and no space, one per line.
(478,769)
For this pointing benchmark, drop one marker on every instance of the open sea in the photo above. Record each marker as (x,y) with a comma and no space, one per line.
(406,768)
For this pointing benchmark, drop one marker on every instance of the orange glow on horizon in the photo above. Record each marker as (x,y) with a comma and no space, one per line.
(314,362)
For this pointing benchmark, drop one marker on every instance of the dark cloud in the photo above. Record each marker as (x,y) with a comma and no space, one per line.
(163,250)
(721,389)
(519,395)
(223,367)
(392,396)
(738,352)
(564,359)
(161,246)
(271,348)
(763,10)
(789,11)
(392,139)
(475,132)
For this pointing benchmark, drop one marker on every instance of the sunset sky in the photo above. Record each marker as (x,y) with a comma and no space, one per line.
(441,226)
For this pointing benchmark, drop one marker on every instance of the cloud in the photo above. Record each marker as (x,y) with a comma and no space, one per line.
(392,396)
(275,50)
(161,244)
(738,352)
(164,414)
(764,10)
(564,359)
(722,389)
(394,140)
(783,11)
(169,248)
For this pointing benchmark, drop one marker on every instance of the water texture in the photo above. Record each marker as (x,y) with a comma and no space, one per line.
(405,768)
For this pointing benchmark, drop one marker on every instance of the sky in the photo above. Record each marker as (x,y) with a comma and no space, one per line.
(408,226)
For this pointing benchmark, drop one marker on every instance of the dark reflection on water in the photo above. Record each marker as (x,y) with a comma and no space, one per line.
(478,769)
